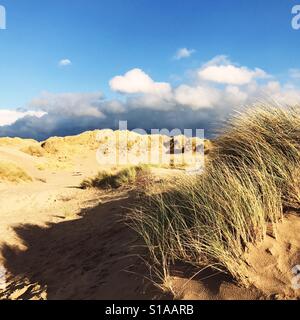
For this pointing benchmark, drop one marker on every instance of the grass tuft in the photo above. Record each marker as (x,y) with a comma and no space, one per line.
(12,173)
(210,219)
(124,177)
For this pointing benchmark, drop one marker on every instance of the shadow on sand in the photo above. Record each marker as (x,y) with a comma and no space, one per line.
(94,257)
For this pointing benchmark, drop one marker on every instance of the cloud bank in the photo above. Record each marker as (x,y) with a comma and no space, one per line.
(8,117)
(214,90)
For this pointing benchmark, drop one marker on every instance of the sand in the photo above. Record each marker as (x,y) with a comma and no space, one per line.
(60,242)
(270,271)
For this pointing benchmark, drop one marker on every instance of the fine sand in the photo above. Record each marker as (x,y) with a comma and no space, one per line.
(61,242)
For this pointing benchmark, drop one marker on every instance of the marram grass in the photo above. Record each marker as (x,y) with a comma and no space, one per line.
(9,172)
(109,180)
(210,219)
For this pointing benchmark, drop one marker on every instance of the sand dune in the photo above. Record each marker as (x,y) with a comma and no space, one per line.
(61,242)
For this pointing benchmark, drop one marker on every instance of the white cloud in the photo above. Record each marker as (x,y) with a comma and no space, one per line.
(272,87)
(294,73)
(233,95)
(196,97)
(286,95)
(240,88)
(137,81)
(230,74)
(183,53)
(8,117)
(218,60)
(65,62)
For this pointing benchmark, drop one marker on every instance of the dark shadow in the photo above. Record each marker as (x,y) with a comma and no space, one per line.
(94,257)
(173,147)
(74,187)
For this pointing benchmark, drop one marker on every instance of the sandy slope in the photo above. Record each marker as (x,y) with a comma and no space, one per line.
(61,242)
(270,271)
(58,241)
(26,162)
(35,202)
(273,260)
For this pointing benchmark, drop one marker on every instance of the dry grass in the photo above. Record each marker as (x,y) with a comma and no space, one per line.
(210,219)
(70,145)
(265,137)
(109,180)
(34,150)
(12,173)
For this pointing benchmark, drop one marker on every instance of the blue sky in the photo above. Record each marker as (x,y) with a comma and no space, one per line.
(106,38)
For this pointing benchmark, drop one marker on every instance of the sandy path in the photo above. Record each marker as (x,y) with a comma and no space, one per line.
(41,202)
(52,196)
